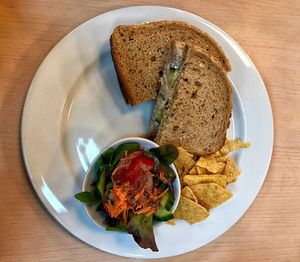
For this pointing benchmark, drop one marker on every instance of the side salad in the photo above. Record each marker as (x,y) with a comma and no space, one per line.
(132,188)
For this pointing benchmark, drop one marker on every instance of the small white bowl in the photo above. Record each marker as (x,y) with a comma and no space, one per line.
(90,176)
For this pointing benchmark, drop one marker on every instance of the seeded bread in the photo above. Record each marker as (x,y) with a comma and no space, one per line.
(198,114)
(139,53)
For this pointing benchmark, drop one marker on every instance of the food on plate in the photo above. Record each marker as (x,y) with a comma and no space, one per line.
(211,178)
(185,70)
(190,211)
(184,161)
(197,170)
(193,106)
(188,193)
(210,195)
(192,109)
(132,188)
(139,53)
(211,164)
(205,182)
(231,171)
(233,145)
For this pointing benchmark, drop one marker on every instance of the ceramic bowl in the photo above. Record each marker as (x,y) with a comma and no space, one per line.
(90,176)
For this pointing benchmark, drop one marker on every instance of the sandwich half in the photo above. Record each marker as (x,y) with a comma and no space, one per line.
(194,104)
(139,53)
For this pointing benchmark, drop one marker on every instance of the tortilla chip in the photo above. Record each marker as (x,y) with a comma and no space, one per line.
(215,155)
(211,195)
(184,173)
(190,211)
(233,145)
(196,179)
(201,170)
(222,159)
(193,171)
(184,161)
(211,164)
(188,193)
(197,170)
(231,171)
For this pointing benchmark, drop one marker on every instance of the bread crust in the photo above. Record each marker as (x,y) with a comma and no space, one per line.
(130,91)
(162,138)
(125,88)
(225,63)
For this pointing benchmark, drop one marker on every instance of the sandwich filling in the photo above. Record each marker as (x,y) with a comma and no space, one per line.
(168,86)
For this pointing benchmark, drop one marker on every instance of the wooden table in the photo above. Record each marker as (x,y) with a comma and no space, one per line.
(269,31)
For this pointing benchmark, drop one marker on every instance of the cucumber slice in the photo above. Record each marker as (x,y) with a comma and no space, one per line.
(166,203)
(163,214)
(172,76)
(160,114)
(167,200)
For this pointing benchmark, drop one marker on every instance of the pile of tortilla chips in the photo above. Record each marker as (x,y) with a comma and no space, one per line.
(203,181)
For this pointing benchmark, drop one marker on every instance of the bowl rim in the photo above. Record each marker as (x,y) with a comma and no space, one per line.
(150,144)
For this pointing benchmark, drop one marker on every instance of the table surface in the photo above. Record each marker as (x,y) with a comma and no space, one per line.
(269,31)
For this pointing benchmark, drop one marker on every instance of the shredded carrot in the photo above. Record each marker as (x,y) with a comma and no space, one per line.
(144,210)
(115,171)
(163,178)
(125,215)
(162,193)
(171,222)
(120,204)
(150,213)
(138,195)
(144,203)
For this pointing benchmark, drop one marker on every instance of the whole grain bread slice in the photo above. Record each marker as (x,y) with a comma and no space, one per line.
(198,114)
(139,53)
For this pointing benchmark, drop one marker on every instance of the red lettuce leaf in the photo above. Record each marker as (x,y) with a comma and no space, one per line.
(141,228)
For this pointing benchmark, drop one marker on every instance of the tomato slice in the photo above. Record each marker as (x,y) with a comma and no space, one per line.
(134,169)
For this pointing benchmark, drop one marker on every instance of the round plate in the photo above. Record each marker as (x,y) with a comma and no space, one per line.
(74,108)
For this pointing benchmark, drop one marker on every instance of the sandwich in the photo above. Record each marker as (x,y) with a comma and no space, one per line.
(193,106)
(139,53)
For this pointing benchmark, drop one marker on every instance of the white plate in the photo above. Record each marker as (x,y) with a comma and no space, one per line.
(74,108)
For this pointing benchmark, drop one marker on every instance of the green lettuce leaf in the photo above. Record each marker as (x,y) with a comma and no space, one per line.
(90,198)
(165,153)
